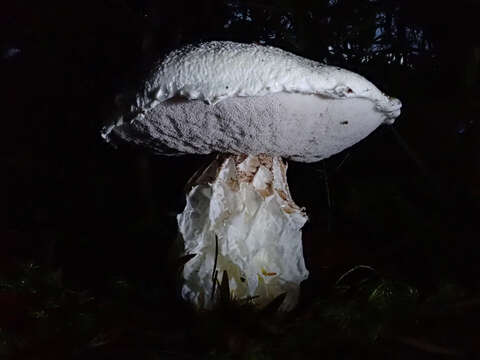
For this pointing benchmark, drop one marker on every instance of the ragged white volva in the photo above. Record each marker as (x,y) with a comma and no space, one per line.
(218,73)
(247,206)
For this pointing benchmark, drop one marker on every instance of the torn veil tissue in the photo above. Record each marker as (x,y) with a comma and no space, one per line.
(249,209)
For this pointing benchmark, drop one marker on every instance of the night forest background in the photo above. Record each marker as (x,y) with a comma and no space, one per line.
(392,244)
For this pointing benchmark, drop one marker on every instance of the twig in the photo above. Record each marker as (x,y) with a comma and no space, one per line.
(352,270)
(215,271)
(327,191)
(411,154)
(342,162)
(216,256)
(327,187)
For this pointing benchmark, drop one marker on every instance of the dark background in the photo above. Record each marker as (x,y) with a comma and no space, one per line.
(100,220)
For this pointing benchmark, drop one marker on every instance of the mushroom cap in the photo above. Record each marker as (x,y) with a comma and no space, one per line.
(249,99)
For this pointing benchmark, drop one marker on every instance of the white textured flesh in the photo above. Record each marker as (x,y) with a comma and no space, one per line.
(217,70)
(249,209)
(295,126)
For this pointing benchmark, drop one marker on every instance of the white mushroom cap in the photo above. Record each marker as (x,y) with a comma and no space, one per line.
(251,99)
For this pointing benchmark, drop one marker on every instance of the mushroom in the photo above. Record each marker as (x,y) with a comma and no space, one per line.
(255,106)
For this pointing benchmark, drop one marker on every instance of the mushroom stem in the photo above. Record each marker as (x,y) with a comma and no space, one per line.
(244,202)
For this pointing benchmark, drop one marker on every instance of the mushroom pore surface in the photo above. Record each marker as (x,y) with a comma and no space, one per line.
(294,126)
